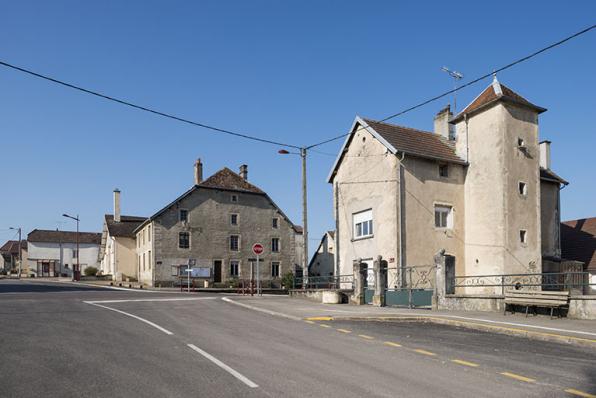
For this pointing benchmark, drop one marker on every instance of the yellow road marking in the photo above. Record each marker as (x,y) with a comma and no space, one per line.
(96,285)
(321,318)
(344,330)
(518,377)
(581,394)
(425,352)
(309,321)
(464,362)
(365,336)
(325,326)
(393,344)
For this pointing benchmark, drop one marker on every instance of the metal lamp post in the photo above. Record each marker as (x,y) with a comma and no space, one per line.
(304,212)
(78,253)
(20,259)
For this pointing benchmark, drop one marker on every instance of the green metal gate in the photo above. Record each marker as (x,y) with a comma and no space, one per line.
(410,286)
(369,286)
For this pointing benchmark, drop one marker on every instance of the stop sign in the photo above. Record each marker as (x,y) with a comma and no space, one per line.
(257,248)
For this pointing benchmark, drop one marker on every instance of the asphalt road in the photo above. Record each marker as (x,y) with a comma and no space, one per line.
(68,340)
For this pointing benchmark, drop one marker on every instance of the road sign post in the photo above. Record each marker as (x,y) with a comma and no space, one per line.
(257,249)
(191,263)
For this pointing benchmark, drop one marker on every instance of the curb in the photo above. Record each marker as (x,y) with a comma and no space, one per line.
(295,318)
(528,334)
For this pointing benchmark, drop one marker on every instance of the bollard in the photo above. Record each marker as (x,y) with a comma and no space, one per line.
(160,286)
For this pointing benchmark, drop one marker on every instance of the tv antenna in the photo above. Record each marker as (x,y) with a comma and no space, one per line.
(455,77)
(59,222)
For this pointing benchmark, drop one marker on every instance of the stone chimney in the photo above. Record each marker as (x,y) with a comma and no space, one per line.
(116,205)
(545,154)
(198,171)
(244,171)
(442,125)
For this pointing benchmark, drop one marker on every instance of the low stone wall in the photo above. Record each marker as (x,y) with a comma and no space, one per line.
(582,307)
(317,294)
(479,302)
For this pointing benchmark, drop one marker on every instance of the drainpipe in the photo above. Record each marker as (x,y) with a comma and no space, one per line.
(467,139)
(399,216)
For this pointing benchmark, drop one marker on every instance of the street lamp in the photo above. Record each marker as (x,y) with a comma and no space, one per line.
(20,265)
(304,212)
(78,253)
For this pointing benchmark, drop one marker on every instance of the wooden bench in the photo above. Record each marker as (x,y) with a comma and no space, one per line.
(535,299)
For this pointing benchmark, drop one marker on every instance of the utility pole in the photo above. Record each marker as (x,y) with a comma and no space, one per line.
(20,256)
(304,218)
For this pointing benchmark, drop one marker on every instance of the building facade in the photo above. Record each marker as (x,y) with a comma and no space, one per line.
(216,223)
(323,261)
(480,188)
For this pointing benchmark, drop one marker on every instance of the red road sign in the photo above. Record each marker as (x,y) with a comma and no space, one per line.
(257,248)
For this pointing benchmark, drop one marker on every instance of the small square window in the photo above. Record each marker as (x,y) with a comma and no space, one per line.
(523,237)
(184,240)
(523,188)
(234,199)
(234,243)
(443,170)
(183,215)
(275,245)
(234,268)
(443,217)
(233,219)
(275,222)
(275,269)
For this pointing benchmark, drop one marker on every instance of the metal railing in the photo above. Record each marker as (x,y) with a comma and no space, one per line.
(419,277)
(325,282)
(554,281)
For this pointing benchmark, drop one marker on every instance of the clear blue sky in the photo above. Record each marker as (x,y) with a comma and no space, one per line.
(288,71)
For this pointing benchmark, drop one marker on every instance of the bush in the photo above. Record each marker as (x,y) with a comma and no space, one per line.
(287,280)
(90,271)
(3,272)
(14,271)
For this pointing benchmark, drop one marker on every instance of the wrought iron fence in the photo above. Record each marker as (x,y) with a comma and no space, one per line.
(556,281)
(325,282)
(414,277)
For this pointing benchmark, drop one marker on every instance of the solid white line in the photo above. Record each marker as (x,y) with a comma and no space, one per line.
(225,367)
(170,299)
(166,331)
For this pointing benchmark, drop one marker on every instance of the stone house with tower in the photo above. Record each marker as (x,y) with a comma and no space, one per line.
(216,223)
(479,187)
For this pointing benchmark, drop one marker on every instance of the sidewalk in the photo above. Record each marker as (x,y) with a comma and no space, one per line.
(561,330)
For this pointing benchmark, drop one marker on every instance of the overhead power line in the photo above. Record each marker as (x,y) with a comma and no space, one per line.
(220,130)
(465,85)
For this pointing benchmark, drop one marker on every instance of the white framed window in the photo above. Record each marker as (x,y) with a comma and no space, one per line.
(522,188)
(275,269)
(234,243)
(234,268)
(275,222)
(363,226)
(275,245)
(183,215)
(233,219)
(443,216)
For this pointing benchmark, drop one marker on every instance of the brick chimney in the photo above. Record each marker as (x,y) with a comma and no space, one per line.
(198,171)
(244,171)
(442,126)
(116,205)
(545,154)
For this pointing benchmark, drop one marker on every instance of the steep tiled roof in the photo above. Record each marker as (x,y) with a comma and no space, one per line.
(494,92)
(6,247)
(299,229)
(227,179)
(124,227)
(578,241)
(416,142)
(12,246)
(550,175)
(38,235)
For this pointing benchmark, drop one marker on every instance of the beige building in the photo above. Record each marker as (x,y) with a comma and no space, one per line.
(117,254)
(480,187)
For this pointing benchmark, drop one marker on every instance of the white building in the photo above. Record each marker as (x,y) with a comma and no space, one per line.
(52,253)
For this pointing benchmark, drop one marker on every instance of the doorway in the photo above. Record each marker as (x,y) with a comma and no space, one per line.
(217,271)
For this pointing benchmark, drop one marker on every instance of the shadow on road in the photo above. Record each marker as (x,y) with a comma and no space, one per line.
(11,286)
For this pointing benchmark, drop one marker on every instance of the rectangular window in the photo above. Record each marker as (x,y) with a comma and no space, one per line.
(234,198)
(234,243)
(233,219)
(523,237)
(275,269)
(174,270)
(75,254)
(149,259)
(234,268)
(443,217)
(275,245)
(275,223)
(443,170)
(363,226)
(522,188)
(149,233)
(143,261)
(184,240)
(183,215)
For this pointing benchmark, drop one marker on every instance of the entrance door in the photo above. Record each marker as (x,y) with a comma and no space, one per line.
(45,269)
(369,281)
(217,271)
